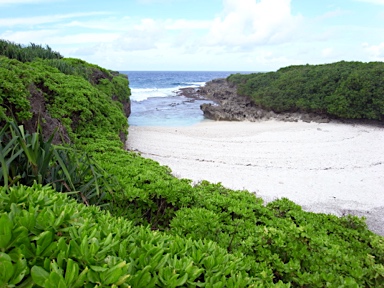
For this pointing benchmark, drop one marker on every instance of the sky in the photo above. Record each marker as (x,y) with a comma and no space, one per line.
(200,35)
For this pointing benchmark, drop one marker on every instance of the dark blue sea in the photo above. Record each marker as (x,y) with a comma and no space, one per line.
(155,101)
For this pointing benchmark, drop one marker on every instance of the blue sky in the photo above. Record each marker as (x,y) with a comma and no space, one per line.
(215,35)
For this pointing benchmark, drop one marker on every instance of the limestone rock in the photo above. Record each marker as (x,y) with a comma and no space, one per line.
(229,106)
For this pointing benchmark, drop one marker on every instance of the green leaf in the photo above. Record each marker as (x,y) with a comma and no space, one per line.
(145,277)
(4,168)
(55,267)
(94,247)
(93,277)
(81,279)
(50,249)
(15,254)
(113,274)
(59,220)
(160,259)
(39,275)
(181,281)
(73,249)
(5,231)
(6,269)
(108,240)
(65,170)
(28,220)
(72,272)
(43,241)
(84,247)
(122,279)
(55,280)
(99,269)
(28,283)
(21,270)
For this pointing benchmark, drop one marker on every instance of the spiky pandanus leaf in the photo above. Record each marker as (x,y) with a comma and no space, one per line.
(28,158)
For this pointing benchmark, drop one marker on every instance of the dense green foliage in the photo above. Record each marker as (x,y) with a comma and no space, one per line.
(48,240)
(87,100)
(169,233)
(349,90)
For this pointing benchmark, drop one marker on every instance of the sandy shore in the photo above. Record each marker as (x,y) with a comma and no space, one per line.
(330,167)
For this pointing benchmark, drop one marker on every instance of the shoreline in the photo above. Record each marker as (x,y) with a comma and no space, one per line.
(324,167)
(229,106)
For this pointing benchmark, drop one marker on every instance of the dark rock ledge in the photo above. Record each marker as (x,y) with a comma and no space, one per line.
(232,107)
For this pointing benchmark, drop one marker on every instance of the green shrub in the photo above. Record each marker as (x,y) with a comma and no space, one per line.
(84,109)
(286,243)
(349,90)
(14,95)
(48,240)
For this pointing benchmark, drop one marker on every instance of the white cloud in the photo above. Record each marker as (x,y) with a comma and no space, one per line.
(54,38)
(182,24)
(333,14)
(24,21)
(254,34)
(141,36)
(156,1)
(378,2)
(25,37)
(376,52)
(13,2)
(84,38)
(249,22)
(327,52)
(100,24)
(122,24)
(148,33)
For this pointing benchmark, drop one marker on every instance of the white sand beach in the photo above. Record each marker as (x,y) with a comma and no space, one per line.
(328,167)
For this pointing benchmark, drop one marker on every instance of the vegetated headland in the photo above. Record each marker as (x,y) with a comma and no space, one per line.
(344,91)
(78,210)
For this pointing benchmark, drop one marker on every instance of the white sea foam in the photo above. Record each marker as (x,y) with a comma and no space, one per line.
(141,94)
(195,84)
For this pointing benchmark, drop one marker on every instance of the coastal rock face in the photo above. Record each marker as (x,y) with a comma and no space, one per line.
(232,107)
(41,116)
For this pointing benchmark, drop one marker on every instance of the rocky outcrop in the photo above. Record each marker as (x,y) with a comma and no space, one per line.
(232,107)
(190,92)
(126,105)
(40,116)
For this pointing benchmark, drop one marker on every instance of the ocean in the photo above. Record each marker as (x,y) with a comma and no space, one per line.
(154,99)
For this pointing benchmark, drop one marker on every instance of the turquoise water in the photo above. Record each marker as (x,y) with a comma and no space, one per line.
(155,101)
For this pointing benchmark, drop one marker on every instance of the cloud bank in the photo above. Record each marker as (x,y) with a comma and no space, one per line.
(255,35)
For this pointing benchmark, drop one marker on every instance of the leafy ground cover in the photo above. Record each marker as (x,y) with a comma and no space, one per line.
(156,230)
(48,240)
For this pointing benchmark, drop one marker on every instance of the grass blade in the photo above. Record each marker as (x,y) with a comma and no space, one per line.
(65,170)
(4,169)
